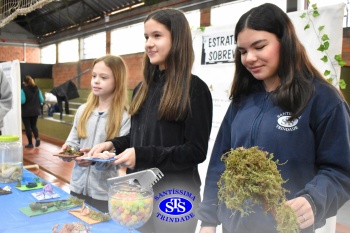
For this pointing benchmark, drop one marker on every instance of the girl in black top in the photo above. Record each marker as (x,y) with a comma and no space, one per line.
(171,118)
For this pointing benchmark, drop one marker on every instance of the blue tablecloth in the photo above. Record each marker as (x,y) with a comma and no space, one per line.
(14,221)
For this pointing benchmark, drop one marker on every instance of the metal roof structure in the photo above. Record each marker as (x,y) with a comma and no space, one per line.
(61,15)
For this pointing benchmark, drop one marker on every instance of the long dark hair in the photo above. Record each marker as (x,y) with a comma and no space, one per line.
(295,69)
(174,103)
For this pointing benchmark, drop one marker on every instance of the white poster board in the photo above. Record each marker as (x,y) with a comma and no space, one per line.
(12,120)
(214,52)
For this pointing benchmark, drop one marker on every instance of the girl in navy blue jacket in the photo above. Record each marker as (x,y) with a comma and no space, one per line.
(281,104)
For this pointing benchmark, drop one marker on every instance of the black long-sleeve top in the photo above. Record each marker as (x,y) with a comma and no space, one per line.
(174,147)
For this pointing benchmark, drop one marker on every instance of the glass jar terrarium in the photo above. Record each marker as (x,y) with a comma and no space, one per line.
(11,159)
(129,204)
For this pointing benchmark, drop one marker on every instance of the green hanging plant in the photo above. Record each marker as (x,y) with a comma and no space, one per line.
(324,46)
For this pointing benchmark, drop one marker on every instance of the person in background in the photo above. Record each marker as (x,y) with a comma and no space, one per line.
(53,108)
(104,116)
(281,104)
(171,119)
(5,98)
(31,100)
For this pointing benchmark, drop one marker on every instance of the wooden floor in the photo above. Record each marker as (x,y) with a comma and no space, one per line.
(48,167)
(58,172)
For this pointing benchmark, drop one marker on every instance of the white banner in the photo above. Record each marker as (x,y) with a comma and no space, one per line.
(13,120)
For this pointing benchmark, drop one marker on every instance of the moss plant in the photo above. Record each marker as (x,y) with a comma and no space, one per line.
(71,151)
(98,216)
(251,177)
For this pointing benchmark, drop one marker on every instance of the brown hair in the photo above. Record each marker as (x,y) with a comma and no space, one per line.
(29,81)
(175,101)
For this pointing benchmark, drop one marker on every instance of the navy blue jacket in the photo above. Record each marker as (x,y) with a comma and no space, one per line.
(315,147)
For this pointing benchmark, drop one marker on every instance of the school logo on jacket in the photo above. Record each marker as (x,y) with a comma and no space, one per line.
(283,122)
(175,205)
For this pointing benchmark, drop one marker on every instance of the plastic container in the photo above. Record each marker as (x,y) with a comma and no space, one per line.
(129,200)
(11,159)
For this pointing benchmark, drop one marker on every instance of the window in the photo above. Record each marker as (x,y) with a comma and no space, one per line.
(93,46)
(193,18)
(127,40)
(68,51)
(229,13)
(48,54)
(130,39)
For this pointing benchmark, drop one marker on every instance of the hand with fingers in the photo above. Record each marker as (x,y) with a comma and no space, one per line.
(303,211)
(64,148)
(99,148)
(126,159)
(82,162)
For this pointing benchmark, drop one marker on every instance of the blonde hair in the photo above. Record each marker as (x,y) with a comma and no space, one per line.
(120,101)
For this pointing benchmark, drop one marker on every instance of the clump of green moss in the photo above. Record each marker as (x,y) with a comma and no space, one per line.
(71,151)
(98,216)
(251,177)
(75,200)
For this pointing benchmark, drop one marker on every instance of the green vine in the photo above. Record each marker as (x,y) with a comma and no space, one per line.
(324,46)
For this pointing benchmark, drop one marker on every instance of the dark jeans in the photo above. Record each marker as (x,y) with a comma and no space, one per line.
(60,105)
(30,126)
(98,204)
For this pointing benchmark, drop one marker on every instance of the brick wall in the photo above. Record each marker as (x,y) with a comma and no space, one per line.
(346,46)
(65,71)
(134,63)
(21,53)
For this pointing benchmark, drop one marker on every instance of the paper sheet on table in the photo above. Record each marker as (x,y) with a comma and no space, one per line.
(40,195)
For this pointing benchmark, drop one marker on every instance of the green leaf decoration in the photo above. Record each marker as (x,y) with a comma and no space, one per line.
(320,28)
(324,37)
(315,14)
(326,45)
(342,84)
(321,48)
(201,29)
(341,63)
(337,57)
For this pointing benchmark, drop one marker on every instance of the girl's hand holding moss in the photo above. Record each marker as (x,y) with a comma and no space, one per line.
(303,211)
